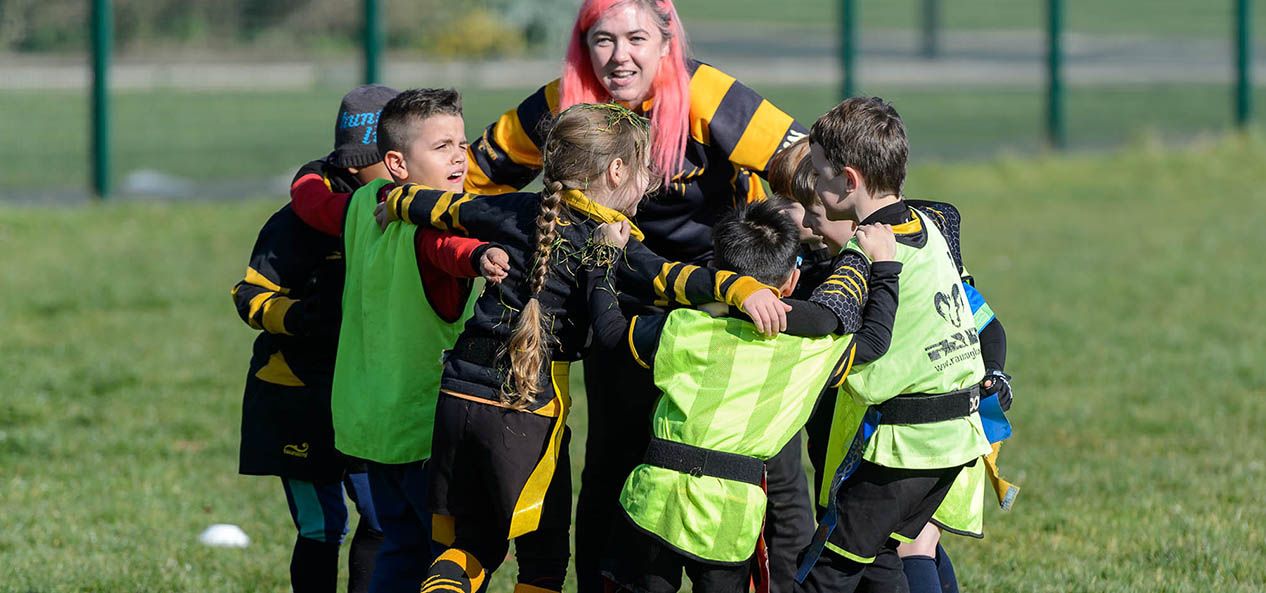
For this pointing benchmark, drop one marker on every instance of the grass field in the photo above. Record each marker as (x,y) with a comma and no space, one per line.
(1126,282)
(217,139)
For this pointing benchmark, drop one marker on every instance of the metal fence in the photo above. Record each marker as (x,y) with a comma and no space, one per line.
(228,98)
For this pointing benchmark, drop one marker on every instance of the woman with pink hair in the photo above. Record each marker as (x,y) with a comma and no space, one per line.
(710,135)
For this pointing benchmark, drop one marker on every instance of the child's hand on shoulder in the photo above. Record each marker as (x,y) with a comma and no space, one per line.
(877,241)
(383,215)
(767,311)
(494,264)
(613,233)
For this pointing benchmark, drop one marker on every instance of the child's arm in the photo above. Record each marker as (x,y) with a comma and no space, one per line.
(508,155)
(846,290)
(875,336)
(638,336)
(460,213)
(993,346)
(454,255)
(648,276)
(282,259)
(312,198)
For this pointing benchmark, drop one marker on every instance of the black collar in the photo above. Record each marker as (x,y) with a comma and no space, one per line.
(894,214)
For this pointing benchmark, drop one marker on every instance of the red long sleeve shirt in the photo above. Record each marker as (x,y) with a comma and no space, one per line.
(444,259)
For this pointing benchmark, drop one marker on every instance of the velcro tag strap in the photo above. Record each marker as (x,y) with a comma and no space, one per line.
(922,408)
(698,461)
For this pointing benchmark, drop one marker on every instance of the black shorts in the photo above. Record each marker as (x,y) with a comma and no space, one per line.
(640,562)
(288,432)
(497,465)
(877,503)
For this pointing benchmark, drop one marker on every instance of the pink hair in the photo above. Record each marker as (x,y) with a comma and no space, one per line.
(671,86)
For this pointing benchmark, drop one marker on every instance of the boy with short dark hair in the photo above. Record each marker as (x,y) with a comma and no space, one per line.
(732,399)
(395,328)
(292,291)
(926,389)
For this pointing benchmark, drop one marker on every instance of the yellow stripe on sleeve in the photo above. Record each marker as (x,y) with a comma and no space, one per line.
(453,211)
(660,283)
(853,270)
(437,212)
(721,278)
(848,366)
(850,293)
(761,138)
(679,285)
(477,180)
(274,316)
(707,88)
(839,281)
(632,346)
(553,94)
(404,204)
(509,135)
(254,277)
(257,302)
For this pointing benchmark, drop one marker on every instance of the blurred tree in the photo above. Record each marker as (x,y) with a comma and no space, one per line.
(472,29)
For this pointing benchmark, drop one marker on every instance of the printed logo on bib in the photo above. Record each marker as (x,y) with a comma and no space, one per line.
(950,306)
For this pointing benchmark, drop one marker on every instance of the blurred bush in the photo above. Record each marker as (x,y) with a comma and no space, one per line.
(472,29)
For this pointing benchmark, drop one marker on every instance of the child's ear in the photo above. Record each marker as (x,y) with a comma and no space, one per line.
(616,172)
(394,160)
(789,285)
(852,179)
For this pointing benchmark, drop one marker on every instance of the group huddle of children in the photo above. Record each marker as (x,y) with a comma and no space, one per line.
(836,306)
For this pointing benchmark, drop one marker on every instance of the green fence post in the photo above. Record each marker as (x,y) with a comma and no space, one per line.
(931,28)
(1055,132)
(100,142)
(848,45)
(373,41)
(1243,63)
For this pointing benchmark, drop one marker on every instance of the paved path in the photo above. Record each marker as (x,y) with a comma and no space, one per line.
(770,57)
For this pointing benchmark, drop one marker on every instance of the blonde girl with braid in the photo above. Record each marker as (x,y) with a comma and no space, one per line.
(499,468)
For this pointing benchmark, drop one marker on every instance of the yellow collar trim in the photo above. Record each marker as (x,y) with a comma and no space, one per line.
(914,225)
(577,200)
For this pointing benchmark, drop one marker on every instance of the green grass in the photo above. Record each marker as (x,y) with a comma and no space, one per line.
(1124,280)
(224,137)
(211,137)
(1146,17)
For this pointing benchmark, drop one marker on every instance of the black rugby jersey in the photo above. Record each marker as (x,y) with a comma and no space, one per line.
(733,133)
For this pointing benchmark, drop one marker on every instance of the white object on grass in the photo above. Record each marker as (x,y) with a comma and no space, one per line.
(223,535)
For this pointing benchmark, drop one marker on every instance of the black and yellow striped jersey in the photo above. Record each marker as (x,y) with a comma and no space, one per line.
(293,291)
(733,133)
(477,366)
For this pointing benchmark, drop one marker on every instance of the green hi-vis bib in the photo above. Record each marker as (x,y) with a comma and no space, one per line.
(963,510)
(935,349)
(387,373)
(726,388)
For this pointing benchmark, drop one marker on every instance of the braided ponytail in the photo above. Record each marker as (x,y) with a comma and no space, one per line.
(528,347)
(581,144)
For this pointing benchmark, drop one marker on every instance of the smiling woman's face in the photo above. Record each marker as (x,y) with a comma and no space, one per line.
(625,47)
